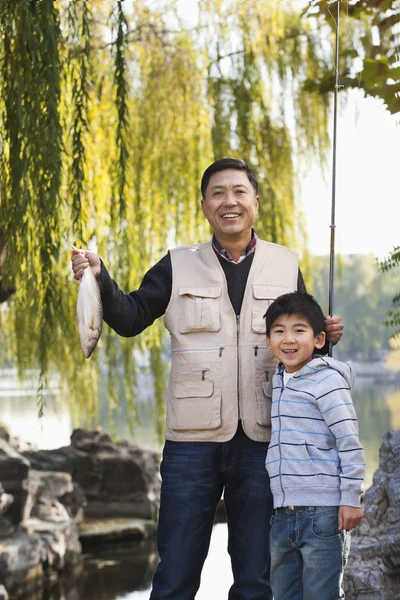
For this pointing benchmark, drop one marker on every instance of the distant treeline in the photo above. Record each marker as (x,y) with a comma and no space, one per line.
(362,297)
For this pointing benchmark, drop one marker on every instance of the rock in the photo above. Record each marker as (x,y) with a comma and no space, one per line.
(38,549)
(47,539)
(118,479)
(13,466)
(93,531)
(60,459)
(4,433)
(91,441)
(14,469)
(373,569)
(61,541)
(6,526)
(46,493)
(116,484)
(22,446)
(75,502)
(5,499)
(50,484)
(3,593)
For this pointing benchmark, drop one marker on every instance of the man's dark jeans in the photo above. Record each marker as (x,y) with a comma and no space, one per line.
(194,475)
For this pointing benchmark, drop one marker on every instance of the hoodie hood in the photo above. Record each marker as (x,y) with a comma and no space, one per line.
(319,363)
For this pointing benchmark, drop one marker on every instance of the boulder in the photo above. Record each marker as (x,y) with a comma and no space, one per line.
(116,485)
(118,479)
(38,550)
(7,528)
(14,469)
(4,433)
(3,593)
(373,569)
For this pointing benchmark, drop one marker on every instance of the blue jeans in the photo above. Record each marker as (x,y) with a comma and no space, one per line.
(308,553)
(194,475)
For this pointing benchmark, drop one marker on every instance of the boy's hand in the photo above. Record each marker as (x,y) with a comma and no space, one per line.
(333,328)
(349,517)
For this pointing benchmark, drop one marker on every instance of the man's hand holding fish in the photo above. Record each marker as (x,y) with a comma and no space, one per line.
(88,307)
(81,259)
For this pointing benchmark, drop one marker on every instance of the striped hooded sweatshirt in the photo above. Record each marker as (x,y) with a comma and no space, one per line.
(315,457)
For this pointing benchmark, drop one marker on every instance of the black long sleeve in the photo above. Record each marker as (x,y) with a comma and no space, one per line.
(130,314)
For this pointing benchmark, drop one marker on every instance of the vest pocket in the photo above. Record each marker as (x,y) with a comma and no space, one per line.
(263,296)
(195,402)
(264,400)
(199,309)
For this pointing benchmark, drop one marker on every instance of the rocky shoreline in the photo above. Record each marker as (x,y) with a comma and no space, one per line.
(99,499)
(373,569)
(56,503)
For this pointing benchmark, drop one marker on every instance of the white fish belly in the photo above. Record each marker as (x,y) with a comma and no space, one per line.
(89,312)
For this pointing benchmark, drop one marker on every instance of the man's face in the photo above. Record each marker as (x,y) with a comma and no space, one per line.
(230,204)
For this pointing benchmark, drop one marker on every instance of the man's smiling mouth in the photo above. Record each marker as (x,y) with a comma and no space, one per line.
(230,215)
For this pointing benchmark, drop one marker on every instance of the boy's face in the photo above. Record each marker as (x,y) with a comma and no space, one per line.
(292,341)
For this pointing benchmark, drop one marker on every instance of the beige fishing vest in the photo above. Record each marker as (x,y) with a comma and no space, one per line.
(221,369)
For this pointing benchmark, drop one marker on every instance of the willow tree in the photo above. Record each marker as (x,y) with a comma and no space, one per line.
(108,118)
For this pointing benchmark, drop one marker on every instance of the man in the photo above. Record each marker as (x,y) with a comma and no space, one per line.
(213,297)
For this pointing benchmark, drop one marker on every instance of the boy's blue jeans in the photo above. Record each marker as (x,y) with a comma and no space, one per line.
(308,553)
(194,475)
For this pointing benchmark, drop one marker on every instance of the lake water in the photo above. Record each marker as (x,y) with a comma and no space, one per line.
(378,410)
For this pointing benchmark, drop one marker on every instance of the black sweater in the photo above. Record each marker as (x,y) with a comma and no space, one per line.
(130,314)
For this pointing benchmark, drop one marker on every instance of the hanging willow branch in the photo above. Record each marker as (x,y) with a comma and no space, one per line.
(30,71)
(80,35)
(121,101)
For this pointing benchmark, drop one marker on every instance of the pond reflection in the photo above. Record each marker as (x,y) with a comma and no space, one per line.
(378,411)
(117,570)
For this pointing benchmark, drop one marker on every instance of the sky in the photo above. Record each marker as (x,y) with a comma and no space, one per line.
(367,207)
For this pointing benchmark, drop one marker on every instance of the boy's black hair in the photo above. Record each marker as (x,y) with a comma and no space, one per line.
(296,303)
(227,163)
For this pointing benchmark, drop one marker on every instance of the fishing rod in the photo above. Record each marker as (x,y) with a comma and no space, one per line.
(333,205)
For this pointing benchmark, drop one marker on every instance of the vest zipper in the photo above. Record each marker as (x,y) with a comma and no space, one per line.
(195,372)
(213,349)
(257,348)
(238,363)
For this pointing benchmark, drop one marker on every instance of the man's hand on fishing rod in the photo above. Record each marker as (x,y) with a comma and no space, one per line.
(333,328)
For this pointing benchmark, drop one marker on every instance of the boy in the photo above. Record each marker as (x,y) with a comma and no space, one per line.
(315,460)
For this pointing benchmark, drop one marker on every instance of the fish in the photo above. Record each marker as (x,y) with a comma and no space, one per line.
(89,312)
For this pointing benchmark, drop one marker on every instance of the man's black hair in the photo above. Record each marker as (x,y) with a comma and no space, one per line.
(227,163)
(296,303)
